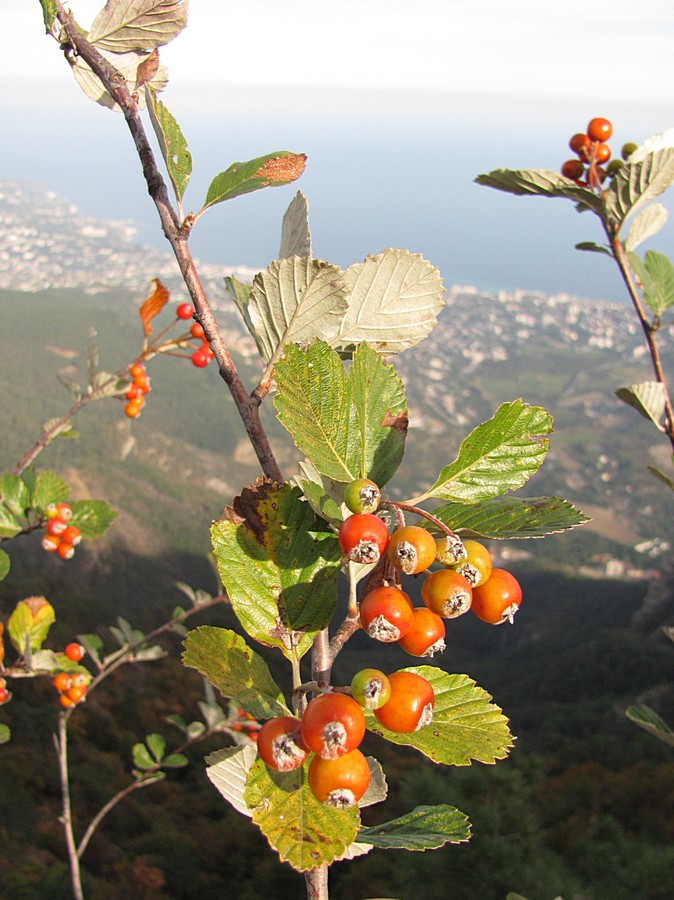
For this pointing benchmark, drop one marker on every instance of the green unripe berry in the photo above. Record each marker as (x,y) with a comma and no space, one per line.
(362,496)
(628,149)
(370,688)
(614,167)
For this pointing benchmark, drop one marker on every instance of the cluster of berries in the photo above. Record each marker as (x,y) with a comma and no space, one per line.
(4,693)
(247,724)
(72,687)
(202,355)
(333,725)
(592,152)
(61,538)
(466,581)
(137,390)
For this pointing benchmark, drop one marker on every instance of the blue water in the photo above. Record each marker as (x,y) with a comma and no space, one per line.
(384,170)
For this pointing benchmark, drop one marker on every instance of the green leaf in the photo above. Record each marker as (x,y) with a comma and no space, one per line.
(648,223)
(5,565)
(648,398)
(659,293)
(93,645)
(141,757)
(498,456)
(48,661)
(651,722)
(541,182)
(325,496)
(49,488)
(56,428)
(349,426)
(14,494)
(157,745)
(593,248)
(425,828)
(274,169)
(228,770)
(303,831)
(295,301)
(506,518)
(279,566)
(466,725)
(29,623)
(175,761)
(105,384)
(295,234)
(636,184)
(5,734)
(172,143)
(229,664)
(92,517)
(9,527)
(137,24)
(49,16)
(394,301)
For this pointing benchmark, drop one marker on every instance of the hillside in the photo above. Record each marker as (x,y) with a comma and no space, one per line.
(580,806)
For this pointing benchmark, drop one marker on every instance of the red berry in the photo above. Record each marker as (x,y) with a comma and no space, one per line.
(55,526)
(137,370)
(4,695)
(581,145)
(185,311)
(74,651)
(332,725)
(76,693)
(599,129)
(50,543)
(411,549)
(363,538)
(65,551)
(339,783)
(498,599)
(279,744)
(573,169)
(447,593)
(62,681)
(64,511)
(133,408)
(410,706)
(602,153)
(386,614)
(71,535)
(142,382)
(197,331)
(200,358)
(426,635)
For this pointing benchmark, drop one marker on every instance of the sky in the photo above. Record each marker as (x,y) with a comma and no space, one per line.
(398,104)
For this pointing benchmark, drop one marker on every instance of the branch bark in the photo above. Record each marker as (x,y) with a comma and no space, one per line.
(177,236)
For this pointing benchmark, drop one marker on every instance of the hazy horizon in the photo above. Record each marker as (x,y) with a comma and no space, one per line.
(385,168)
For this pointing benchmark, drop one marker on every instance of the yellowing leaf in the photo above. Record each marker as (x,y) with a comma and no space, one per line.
(29,623)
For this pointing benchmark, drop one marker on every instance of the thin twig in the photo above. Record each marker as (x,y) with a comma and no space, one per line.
(649,331)
(177,236)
